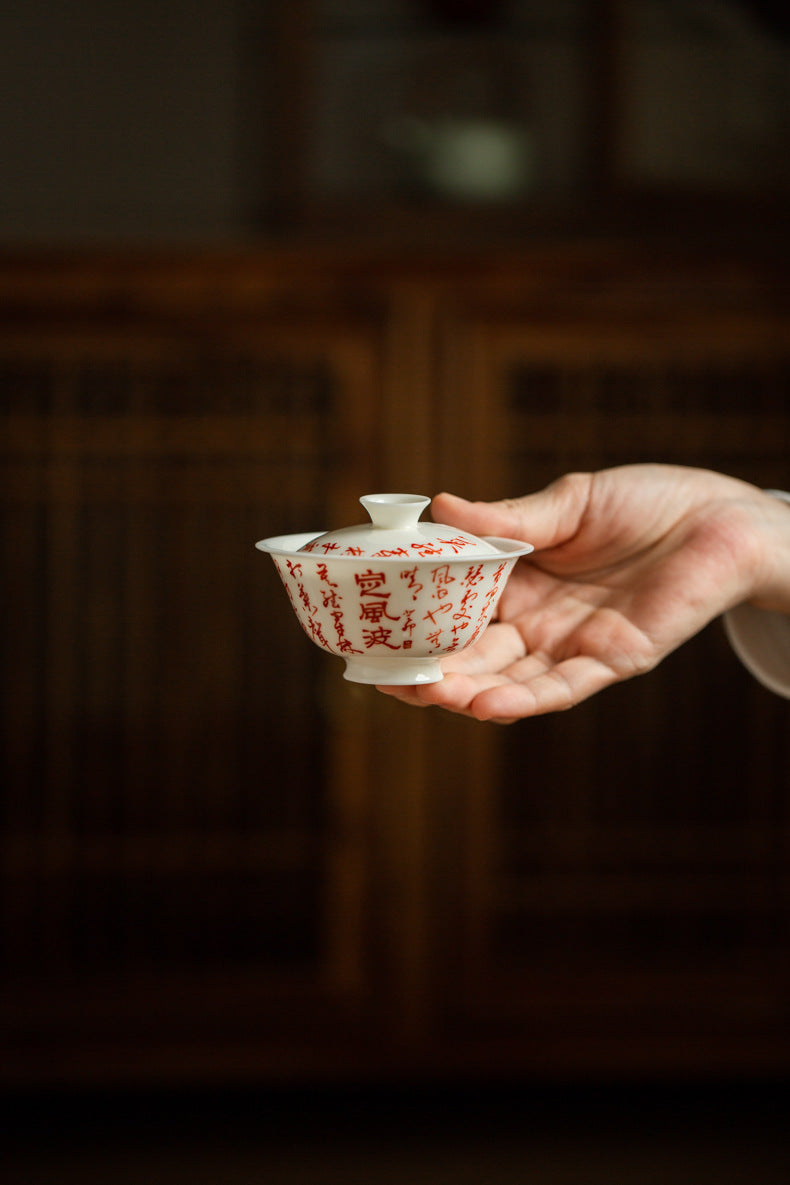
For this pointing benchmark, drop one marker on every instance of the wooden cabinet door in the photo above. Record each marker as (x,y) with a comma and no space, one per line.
(185,860)
(618,897)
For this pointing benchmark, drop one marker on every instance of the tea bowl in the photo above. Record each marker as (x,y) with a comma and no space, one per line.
(395,595)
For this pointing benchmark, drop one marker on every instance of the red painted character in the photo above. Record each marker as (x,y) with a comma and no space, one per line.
(446,607)
(375,610)
(369,581)
(413,585)
(441,578)
(330,596)
(379,637)
(458,543)
(343,643)
(408,628)
(473,576)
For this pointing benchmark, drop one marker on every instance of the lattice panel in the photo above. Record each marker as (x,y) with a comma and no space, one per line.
(655,824)
(626,895)
(726,414)
(164,799)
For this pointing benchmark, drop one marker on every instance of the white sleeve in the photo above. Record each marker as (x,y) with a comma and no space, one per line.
(761,639)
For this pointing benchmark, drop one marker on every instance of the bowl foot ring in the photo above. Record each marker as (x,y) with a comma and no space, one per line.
(393,672)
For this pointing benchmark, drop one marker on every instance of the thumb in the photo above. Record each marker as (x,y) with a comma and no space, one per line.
(545,519)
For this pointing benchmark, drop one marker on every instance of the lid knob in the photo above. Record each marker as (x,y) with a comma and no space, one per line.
(395,511)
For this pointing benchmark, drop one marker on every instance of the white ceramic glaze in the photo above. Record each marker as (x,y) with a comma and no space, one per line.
(395,595)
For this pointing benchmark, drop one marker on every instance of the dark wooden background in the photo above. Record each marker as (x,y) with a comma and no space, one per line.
(219,861)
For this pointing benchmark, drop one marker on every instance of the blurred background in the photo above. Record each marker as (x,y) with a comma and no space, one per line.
(256,260)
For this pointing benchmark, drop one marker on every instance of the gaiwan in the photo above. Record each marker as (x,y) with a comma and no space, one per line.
(394,595)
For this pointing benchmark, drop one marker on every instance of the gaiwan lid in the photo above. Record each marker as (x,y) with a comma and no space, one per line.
(395,531)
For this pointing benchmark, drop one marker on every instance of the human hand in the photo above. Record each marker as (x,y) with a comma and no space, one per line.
(629,563)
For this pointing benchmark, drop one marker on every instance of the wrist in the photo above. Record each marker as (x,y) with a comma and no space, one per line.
(770,576)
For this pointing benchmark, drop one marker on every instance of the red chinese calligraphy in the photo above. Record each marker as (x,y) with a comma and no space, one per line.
(373,600)
(446,607)
(477,631)
(413,584)
(313,627)
(463,617)
(379,637)
(369,581)
(286,585)
(344,645)
(474,575)
(408,626)
(489,603)
(458,543)
(491,597)
(304,597)
(329,593)
(299,597)
(426,548)
(375,610)
(441,578)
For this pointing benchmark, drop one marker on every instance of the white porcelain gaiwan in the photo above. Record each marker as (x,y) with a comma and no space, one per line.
(395,595)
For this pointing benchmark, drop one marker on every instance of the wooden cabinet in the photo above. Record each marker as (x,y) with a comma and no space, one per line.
(436,121)
(625,874)
(218,860)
